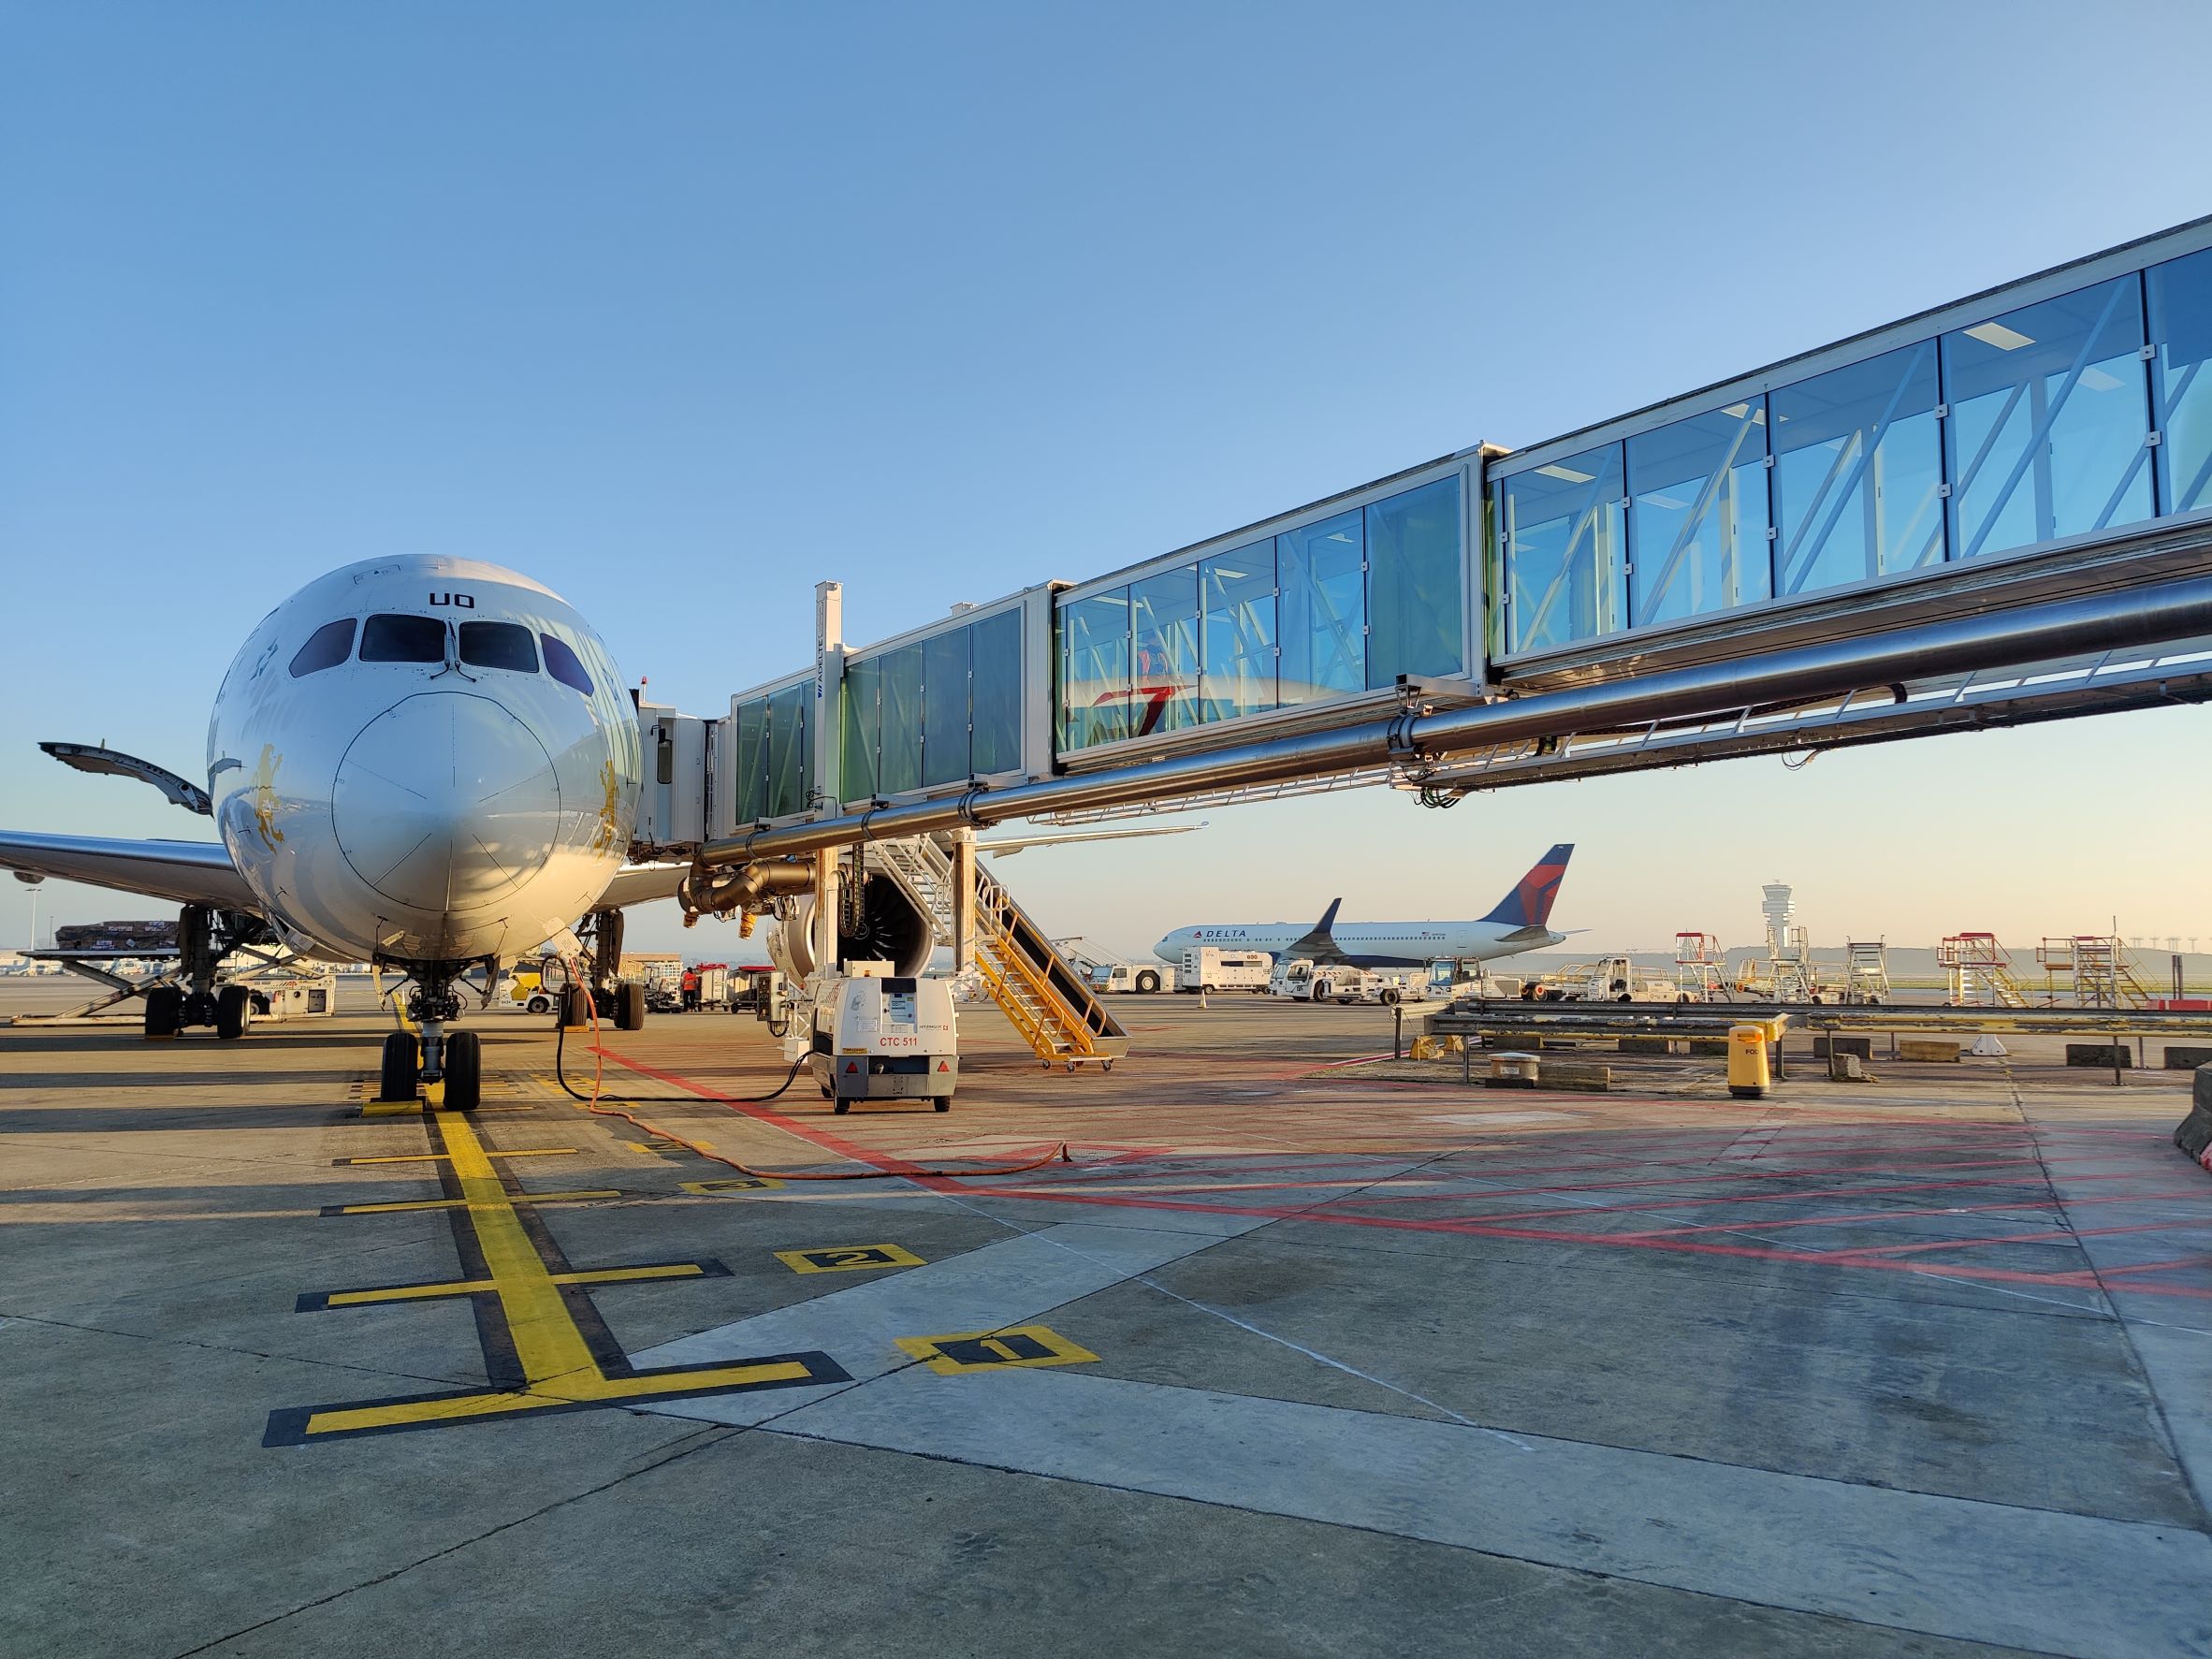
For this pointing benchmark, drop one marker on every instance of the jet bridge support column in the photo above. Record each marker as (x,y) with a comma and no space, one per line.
(962,900)
(826,906)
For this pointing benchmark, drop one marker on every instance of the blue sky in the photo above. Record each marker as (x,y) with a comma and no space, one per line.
(679,308)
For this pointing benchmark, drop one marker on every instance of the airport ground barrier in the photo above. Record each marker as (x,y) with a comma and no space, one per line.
(2194,1136)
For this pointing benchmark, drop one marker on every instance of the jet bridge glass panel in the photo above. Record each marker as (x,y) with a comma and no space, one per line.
(1321,611)
(2082,413)
(790,756)
(935,711)
(1414,606)
(1322,573)
(1697,518)
(1562,528)
(1237,633)
(944,707)
(863,714)
(2180,294)
(753,765)
(2047,435)
(1857,473)
(1095,669)
(994,694)
(773,768)
(1164,651)
(901,766)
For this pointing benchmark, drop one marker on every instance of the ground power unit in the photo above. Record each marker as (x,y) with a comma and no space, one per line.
(884,1038)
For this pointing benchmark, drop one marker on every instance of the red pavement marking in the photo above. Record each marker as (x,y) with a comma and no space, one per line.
(822,1138)
(2075,1279)
(1889,1215)
(1872,1257)
(2046,1237)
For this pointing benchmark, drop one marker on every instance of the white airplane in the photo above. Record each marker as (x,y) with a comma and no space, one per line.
(426,763)
(1519,922)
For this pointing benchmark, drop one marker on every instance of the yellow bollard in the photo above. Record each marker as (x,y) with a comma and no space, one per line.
(1747,1061)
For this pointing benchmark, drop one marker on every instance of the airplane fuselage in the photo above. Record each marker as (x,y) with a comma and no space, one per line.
(453,777)
(1369,944)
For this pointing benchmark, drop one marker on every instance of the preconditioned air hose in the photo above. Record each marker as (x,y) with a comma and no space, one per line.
(592,1103)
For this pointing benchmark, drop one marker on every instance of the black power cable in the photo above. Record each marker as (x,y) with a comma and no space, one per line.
(560,1076)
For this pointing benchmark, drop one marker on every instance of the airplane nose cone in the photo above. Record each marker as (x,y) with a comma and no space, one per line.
(445,802)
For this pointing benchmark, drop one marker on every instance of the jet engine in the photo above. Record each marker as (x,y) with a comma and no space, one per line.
(879,924)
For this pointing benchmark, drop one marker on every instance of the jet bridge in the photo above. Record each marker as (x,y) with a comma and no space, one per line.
(1994,513)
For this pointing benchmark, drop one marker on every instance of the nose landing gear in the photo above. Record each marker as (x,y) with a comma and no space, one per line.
(431,1055)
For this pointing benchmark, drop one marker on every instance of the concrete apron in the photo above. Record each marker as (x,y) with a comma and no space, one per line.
(2028,1578)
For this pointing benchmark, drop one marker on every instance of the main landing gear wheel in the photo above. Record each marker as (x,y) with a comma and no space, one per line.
(233,1010)
(165,1011)
(402,1068)
(630,1007)
(572,1012)
(464,1071)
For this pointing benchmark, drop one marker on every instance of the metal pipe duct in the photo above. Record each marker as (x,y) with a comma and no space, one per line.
(2124,618)
(699,891)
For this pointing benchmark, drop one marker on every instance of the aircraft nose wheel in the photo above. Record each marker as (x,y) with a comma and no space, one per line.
(402,1068)
(464,1071)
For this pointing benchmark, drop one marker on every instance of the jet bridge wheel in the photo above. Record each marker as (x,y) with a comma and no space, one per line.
(402,1067)
(233,1010)
(165,1011)
(464,1071)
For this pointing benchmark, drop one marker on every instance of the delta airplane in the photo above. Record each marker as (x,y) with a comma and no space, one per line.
(1518,923)
(426,763)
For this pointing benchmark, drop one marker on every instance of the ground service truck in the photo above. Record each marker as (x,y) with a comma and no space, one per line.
(1207,968)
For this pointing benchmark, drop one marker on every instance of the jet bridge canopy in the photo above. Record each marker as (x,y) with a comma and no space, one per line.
(2043,443)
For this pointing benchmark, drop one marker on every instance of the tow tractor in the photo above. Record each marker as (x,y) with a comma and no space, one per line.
(1303,980)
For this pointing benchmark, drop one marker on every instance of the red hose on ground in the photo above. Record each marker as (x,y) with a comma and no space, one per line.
(593,1103)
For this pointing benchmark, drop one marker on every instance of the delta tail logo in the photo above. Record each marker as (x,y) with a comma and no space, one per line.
(1528,905)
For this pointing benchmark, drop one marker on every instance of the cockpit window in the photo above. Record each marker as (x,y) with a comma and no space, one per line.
(326,647)
(498,644)
(561,662)
(403,639)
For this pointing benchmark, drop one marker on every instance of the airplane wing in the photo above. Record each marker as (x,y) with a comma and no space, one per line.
(1006,846)
(641,883)
(1319,942)
(183,872)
